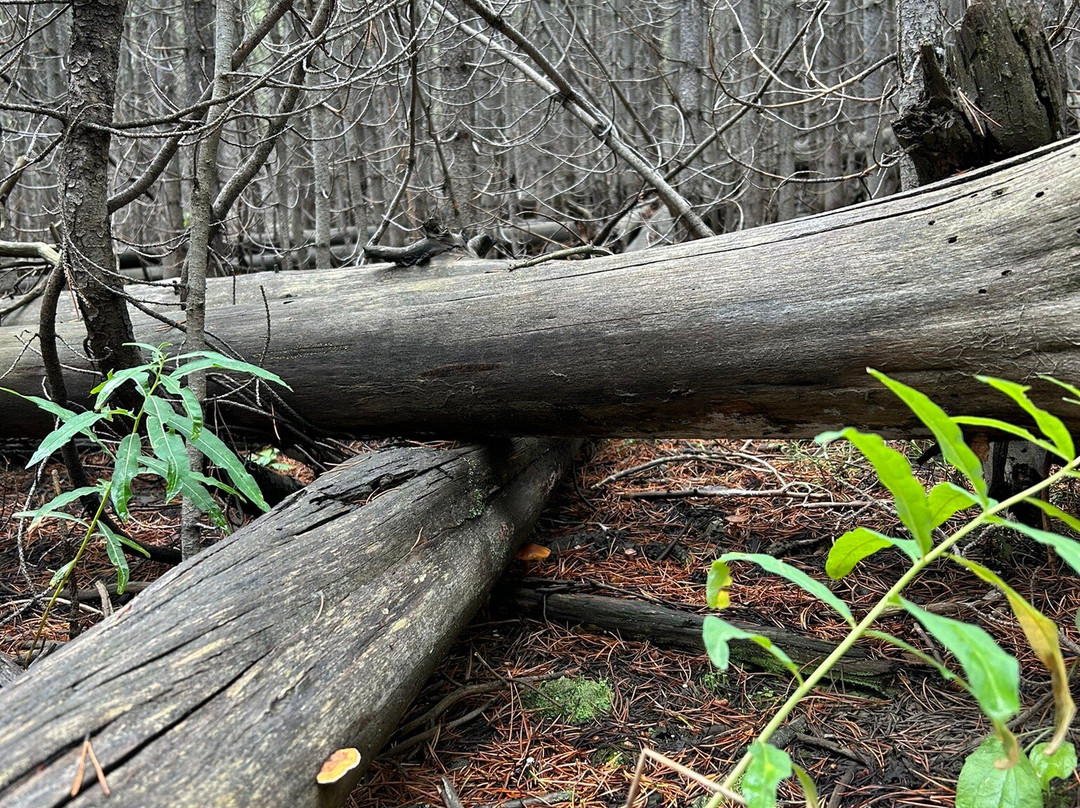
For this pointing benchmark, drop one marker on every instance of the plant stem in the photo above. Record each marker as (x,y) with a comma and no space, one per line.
(71,569)
(875,612)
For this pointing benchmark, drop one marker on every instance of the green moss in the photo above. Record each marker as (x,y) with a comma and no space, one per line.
(573,700)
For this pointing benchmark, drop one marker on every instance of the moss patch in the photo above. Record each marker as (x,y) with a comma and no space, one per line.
(573,700)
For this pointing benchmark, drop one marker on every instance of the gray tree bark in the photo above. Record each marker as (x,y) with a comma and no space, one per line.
(761,332)
(89,260)
(231,679)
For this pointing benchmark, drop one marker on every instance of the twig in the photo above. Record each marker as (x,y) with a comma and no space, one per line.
(690,774)
(449,795)
(553,798)
(569,252)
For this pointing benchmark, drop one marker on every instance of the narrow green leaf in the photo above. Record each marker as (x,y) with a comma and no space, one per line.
(920,655)
(946,432)
(992,674)
(208,360)
(1011,429)
(797,577)
(1060,764)
(125,470)
(894,471)
(61,574)
(1042,635)
(51,407)
(1068,549)
(223,457)
(1054,512)
(808,786)
(138,548)
(1049,424)
(104,390)
(79,424)
(718,633)
(768,766)
(114,549)
(56,504)
(855,545)
(190,401)
(983,784)
(1071,388)
(190,486)
(718,586)
(169,447)
(947,499)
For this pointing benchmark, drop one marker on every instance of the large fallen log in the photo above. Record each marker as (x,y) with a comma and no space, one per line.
(231,679)
(764,332)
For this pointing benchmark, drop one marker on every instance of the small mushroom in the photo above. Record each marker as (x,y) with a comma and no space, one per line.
(532,552)
(337,765)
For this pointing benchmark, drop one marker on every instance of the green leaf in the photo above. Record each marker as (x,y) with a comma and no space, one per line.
(946,432)
(718,633)
(946,500)
(51,407)
(992,674)
(169,447)
(1061,764)
(855,545)
(125,470)
(1005,426)
(78,424)
(1042,635)
(190,486)
(808,787)
(1049,424)
(1068,549)
(983,784)
(1054,512)
(114,548)
(1071,388)
(138,548)
(104,390)
(56,504)
(797,577)
(894,471)
(768,766)
(208,360)
(221,456)
(718,586)
(190,401)
(61,574)
(923,657)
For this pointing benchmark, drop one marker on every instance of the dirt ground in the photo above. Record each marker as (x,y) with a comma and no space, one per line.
(642,521)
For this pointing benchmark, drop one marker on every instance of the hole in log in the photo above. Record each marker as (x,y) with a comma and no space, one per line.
(1040,194)
(952,239)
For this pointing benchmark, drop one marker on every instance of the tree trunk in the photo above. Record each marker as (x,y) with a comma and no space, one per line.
(96,29)
(231,679)
(765,332)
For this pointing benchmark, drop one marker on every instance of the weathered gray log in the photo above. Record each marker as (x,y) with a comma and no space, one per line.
(675,628)
(232,678)
(764,332)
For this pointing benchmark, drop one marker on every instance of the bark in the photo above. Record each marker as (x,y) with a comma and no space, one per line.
(231,679)
(764,332)
(96,29)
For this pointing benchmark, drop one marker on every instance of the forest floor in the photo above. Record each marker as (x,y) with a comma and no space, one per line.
(479,724)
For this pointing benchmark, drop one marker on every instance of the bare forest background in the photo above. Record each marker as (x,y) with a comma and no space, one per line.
(342,121)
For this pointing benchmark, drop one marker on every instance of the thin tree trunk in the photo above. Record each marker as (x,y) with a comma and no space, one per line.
(89,260)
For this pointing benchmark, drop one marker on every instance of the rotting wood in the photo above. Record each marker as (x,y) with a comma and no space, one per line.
(640,620)
(231,679)
(763,332)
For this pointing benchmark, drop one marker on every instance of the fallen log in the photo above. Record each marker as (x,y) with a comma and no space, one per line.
(634,619)
(231,679)
(764,332)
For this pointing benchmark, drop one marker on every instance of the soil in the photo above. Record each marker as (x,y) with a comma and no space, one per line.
(651,533)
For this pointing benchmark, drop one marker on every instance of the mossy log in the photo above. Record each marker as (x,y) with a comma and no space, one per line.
(230,680)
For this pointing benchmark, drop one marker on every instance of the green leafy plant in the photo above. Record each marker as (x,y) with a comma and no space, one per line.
(170,416)
(997,774)
(267,458)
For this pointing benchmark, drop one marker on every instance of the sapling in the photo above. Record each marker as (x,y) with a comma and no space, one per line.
(998,774)
(170,417)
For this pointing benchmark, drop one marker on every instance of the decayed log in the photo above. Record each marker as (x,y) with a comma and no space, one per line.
(232,678)
(764,332)
(675,628)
